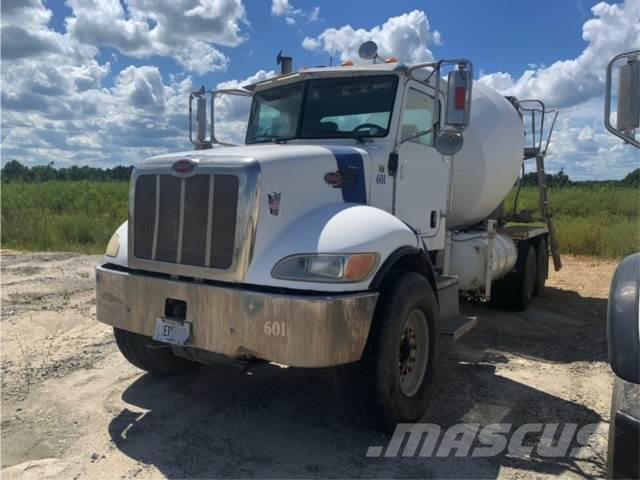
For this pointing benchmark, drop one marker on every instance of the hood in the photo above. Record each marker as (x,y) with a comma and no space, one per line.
(289,167)
(263,153)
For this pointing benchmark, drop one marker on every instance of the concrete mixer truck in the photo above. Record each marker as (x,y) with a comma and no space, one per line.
(363,204)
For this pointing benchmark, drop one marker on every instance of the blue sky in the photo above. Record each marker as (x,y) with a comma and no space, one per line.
(104,82)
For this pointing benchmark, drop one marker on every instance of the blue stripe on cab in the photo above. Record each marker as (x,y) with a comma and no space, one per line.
(349,157)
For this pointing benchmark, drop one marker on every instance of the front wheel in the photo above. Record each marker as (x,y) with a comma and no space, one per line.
(392,383)
(154,357)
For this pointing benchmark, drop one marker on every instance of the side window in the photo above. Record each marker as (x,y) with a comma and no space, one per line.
(275,122)
(417,117)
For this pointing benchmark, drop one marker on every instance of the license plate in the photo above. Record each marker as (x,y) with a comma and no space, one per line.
(172,331)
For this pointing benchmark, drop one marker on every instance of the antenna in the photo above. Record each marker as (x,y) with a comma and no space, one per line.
(335,32)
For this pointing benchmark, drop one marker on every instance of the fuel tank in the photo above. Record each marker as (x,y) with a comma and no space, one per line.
(487,166)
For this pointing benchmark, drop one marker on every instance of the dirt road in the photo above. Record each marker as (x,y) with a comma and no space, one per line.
(73,408)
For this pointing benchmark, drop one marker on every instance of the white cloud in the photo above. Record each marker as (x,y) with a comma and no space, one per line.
(282,8)
(186,30)
(55,106)
(57,103)
(580,144)
(406,37)
(614,29)
(584,149)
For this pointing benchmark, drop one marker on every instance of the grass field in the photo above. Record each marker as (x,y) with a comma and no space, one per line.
(62,216)
(601,221)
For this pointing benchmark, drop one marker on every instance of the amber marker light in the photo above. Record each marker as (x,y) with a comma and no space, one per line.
(359,265)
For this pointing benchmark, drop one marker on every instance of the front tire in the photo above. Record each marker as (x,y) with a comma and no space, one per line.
(154,357)
(392,383)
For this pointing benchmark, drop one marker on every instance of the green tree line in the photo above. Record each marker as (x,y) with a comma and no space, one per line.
(14,171)
(561,179)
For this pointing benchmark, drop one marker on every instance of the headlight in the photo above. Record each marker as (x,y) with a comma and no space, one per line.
(326,267)
(114,246)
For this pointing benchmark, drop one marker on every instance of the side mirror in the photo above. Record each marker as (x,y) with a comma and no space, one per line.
(623,323)
(458,110)
(201,141)
(201,119)
(205,128)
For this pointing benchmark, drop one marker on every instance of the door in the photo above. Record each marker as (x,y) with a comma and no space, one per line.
(422,184)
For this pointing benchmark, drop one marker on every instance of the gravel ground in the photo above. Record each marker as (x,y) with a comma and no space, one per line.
(72,407)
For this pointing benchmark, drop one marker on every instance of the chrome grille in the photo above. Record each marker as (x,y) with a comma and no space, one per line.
(188,221)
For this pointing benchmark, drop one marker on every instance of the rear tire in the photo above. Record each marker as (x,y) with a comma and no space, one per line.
(392,383)
(542,266)
(146,354)
(515,291)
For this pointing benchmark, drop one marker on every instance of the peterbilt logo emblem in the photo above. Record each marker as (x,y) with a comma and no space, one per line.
(183,165)
(274,203)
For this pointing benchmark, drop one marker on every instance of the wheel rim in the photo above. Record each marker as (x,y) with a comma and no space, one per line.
(413,353)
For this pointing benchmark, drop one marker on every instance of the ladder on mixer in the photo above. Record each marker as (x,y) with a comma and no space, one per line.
(539,144)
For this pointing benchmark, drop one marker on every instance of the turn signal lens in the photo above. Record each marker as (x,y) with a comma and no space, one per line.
(114,246)
(359,266)
(391,60)
(348,63)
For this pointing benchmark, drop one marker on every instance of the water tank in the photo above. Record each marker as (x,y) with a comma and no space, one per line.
(487,166)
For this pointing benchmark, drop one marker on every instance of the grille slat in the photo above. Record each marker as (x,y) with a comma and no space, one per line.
(168,219)
(196,204)
(145,204)
(223,222)
(208,220)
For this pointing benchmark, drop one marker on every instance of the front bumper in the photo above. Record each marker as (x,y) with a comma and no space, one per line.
(313,331)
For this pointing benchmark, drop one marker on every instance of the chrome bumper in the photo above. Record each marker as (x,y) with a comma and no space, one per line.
(313,330)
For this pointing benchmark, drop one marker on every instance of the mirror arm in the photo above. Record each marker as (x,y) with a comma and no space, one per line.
(416,135)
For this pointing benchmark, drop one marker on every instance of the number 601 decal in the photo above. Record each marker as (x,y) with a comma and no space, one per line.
(275,328)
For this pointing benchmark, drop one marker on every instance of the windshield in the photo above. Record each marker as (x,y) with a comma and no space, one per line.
(333,108)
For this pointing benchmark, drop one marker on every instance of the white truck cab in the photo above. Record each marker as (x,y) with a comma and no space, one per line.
(341,234)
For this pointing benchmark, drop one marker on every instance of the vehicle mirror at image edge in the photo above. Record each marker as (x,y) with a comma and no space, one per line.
(628,111)
(622,320)
(628,96)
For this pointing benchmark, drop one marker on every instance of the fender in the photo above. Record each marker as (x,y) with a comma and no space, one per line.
(334,228)
(406,258)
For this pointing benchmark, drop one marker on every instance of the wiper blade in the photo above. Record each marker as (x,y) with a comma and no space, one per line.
(360,139)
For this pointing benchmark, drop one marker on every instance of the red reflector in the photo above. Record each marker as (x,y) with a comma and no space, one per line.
(461,98)
(183,166)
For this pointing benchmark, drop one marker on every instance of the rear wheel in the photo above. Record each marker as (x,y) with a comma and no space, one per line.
(149,355)
(542,266)
(515,291)
(392,383)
